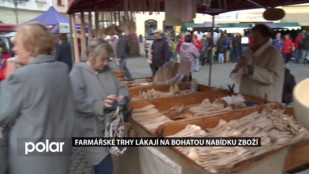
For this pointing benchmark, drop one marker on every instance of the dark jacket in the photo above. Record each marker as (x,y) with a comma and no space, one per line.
(123,49)
(220,44)
(288,85)
(236,42)
(63,53)
(160,53)
(305,42)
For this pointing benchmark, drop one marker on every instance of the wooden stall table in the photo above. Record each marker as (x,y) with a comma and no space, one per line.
(275,161)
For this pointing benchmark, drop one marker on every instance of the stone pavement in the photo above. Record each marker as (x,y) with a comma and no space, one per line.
(79,163)
(220,78)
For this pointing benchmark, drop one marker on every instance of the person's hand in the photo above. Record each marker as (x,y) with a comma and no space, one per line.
(119,59)
(109,100)
(11,67)
(120,99)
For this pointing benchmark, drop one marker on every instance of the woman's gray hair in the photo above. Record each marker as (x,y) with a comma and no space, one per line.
(98,47)
(36,38)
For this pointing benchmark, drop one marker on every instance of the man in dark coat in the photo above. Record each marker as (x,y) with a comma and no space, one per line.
(159,51)
(236,48)
(63,51)
(122,52)
(305,44)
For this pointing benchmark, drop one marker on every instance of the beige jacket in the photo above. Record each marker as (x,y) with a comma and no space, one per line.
(267,78)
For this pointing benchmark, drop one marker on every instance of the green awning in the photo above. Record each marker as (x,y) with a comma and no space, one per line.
(235,25)
(288,24)
(185,26)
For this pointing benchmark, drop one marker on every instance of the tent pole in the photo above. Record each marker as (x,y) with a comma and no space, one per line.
(89,26)
(76,50)
(211,59)
(83,33)
(96,22)
(71,39)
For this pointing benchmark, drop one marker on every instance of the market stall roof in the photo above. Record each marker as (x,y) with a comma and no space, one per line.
(289,25)
(273,25)
(234,25)
(185,26)
(205,27)
(56,22)
(214,7)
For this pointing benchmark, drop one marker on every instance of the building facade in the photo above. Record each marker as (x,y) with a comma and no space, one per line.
(28,9)
(294,13)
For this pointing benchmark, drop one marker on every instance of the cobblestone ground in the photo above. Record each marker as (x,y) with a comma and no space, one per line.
(220,78)
(79,163)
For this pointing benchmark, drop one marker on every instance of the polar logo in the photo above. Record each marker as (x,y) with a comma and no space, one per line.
(46,146)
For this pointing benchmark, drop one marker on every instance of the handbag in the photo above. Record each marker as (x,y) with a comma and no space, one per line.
(4,148)
(115,128)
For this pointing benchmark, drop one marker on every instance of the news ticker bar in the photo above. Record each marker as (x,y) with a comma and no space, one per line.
(143,141)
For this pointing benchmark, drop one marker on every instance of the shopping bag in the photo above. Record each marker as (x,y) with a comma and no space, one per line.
(115,128)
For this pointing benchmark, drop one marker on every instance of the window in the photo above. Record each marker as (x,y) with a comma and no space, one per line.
(60,2)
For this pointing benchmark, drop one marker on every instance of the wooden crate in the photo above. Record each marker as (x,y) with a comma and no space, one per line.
(163,104)
(125,81)
(135,91)
(150,79)
(297,155)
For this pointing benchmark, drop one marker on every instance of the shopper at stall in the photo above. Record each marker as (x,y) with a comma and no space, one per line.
(37,104)
(261,68)
(159,50)
(236,47)
(122,52)
(210,47)
(204,50)
(181,39)
(221,42)
(298,47)
(278,42)
(227,49)
(96,90)
(287,48)
(305,52)
(198,46)
(188,53)
(4,55)
(63,51)
(113,41)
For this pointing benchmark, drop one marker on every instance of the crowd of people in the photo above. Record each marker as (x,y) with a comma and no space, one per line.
(299,49)
(261,66)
